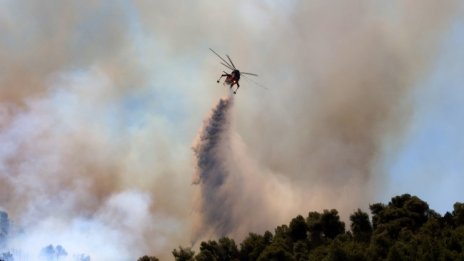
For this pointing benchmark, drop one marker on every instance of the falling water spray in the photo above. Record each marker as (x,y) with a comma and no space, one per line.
(211,150)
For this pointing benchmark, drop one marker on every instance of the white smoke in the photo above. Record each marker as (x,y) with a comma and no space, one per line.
(85,203)
(100,101)
(106,235)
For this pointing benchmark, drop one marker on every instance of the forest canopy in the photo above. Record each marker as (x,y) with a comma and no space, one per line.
(404,229)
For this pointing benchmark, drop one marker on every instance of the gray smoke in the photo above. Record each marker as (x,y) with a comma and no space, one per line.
(100,101)
(211,150)
(233,191)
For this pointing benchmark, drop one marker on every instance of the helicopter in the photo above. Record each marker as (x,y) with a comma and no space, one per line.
(233,77)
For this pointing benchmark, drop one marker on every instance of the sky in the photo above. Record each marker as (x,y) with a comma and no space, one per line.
(101,103)
(428,163)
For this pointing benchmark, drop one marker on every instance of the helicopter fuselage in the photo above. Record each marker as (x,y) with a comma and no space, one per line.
(233,77)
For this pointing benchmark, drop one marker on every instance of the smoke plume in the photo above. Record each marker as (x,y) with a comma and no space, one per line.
(212,155)
(232,196)
(100,102)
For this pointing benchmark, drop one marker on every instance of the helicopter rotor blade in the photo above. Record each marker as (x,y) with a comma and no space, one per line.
(247,73)
(227,66)
(255,82)
(220,57)
(233,65)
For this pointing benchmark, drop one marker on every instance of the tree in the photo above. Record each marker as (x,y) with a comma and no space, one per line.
(225,249)
(148,258)
(376,210)
(301,251)
(252,246)
(53,253)
(399,201)
(298,229)
(183,254)
(228,248)
(7,256)
(403,229)
(336,253)
(331,224)
(282,234)
(458,213)
(277,251)
(417,210)
(403,211)
(314,228)
(361,226)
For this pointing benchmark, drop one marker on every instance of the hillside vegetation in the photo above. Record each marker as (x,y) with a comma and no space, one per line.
(404,229)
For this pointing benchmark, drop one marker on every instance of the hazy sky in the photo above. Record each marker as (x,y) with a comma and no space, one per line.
(101,101)
(429,161)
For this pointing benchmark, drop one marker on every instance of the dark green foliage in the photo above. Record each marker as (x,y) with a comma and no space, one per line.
(396,223)
(148,258)
(314,228)
(361,226)
(301,251)
(183,254)
(225,250)
(376,209)
(458,214)
(277,251)
(282,235)
(324,226)
(252,246)
(298,228)
(403,229)
(336,253)
(331,224)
